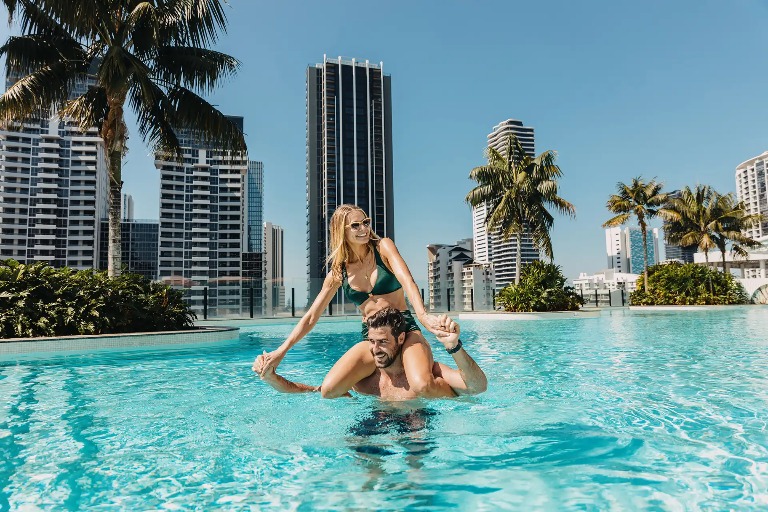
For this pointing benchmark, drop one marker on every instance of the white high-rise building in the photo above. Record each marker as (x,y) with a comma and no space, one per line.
(751,182)
(490,247)
(202,225)
(273,267)
(616,249)
(127,207)
(53,191)
(624,248)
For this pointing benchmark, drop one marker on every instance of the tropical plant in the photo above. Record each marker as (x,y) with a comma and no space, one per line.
(541,288)
(708,219)
(688,284)
(39,300)
(518,189)
(642,200)
(154,55)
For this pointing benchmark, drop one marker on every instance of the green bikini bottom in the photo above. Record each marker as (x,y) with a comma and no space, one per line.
(410,324)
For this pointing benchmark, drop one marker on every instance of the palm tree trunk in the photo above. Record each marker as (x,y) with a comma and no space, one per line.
(725,269)
(645,258)
(114,254)
(518,259)
(114,135)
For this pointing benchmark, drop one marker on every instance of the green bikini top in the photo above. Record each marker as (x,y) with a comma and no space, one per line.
(386,282)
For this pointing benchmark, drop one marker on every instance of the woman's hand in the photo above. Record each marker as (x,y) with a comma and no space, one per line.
(268,362)
(432,323)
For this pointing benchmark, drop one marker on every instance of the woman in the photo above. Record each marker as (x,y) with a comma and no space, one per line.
(374,276)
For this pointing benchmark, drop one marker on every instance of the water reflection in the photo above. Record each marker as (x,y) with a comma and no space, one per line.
(390,433)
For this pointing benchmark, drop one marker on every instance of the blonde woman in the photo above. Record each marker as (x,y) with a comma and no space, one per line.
(374,276)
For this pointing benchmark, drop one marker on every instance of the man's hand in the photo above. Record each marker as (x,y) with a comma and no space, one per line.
(433,323)
(447,331)
(268,362)
(262,367)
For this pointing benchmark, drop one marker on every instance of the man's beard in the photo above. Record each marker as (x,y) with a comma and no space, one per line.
(387,361)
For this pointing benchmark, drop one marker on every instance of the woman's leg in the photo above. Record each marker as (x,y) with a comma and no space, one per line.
(355,365)
(418,363)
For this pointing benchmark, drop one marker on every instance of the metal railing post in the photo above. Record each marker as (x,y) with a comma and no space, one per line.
(293,301)
(251,294)
(596,299)
(205,303)
(471,299)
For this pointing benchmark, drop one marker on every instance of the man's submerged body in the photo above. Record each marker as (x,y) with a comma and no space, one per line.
(389,381)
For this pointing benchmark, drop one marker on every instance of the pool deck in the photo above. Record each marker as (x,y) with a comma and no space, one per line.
(551,315)
(204,334)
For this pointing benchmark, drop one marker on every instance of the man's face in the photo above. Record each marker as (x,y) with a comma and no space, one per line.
(384,347)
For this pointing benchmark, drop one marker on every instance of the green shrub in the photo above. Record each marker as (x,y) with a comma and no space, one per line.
(39,300)
(542,288)
(688,284)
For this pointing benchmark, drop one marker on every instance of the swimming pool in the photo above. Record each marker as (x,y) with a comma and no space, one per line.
(626,411)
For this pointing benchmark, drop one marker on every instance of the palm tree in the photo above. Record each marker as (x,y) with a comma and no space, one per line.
(155,55)
(707,219)
(642,200)
(518,189)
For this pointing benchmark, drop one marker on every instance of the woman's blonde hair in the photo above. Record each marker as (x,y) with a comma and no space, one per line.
(340,249)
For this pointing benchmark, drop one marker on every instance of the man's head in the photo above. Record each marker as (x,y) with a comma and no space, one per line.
(386,334)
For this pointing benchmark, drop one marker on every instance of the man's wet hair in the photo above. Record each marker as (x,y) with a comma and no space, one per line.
(388,317)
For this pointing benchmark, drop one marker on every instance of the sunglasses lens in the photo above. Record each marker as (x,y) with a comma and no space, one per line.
(367,222)
(355,226)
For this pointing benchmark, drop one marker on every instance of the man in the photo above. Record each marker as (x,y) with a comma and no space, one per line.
(386,335)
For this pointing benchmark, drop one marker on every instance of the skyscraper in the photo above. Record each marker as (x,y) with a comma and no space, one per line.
(751,183)
(126,205)
(202,221)
(635,245)
(273,266)
(253,246)
(624,248)
(138,246)
(490,247)
(53,190)
(349,152)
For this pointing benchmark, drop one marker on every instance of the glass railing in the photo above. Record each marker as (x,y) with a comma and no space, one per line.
(243,298)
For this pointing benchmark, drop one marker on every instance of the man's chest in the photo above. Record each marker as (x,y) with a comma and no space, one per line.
(387,387)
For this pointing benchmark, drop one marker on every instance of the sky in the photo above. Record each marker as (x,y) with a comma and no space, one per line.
(671,90)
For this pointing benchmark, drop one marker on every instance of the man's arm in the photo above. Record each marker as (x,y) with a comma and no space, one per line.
(469,379)
(280,383)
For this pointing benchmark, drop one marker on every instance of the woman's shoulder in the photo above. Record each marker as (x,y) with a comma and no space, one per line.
(385,243)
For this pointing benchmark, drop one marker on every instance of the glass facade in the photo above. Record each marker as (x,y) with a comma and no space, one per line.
(349,152)
(139,246)
(636,260)
(255,202)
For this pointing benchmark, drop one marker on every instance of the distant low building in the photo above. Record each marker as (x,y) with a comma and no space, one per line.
(607,279)
(457,282)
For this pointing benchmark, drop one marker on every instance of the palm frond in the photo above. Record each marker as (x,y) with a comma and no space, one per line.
(205,121)
(194,68)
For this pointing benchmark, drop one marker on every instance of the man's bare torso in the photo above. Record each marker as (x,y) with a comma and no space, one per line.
(388,387)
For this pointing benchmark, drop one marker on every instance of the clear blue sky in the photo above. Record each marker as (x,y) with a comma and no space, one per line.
(676,90)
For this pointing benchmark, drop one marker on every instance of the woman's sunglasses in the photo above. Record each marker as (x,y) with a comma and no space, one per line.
(366,223)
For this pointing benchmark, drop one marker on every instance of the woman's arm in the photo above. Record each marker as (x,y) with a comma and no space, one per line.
(306,324)
(395,262)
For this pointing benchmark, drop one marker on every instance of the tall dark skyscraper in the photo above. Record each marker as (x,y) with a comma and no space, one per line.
(349,152)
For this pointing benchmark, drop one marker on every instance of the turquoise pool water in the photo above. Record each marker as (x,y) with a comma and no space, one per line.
(629,411)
